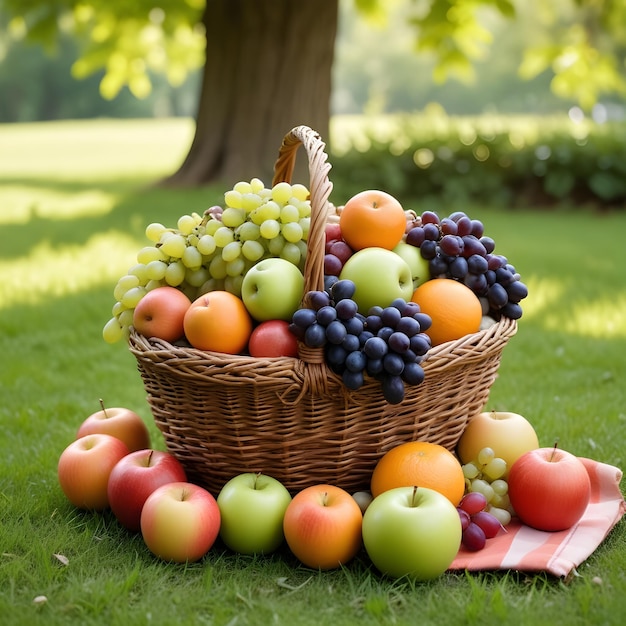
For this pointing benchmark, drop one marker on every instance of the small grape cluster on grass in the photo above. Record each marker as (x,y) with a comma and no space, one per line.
(388,343)
(457,247)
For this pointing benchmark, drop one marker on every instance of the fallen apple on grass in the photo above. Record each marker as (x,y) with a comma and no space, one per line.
(135,477)
(180,522)
(118,422)
(252,508)
(84,468)
(322,526)
(411,531)
(549,489)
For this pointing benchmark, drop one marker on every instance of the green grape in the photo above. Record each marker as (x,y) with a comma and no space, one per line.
(470,471)
(233,217)
(126,317)
(197,277)
(248,231)
(217,267)
(212,226)
(175,274)
(485,455)
(276,245)
(129,281)
(233,284)
(270,229)
(250,202)
(502,515)
(112,331)
(300,191)
(139,270)
(501,501)
(500,487)
(153,284)
(117,309)
(496,468)
(281,192)
(223,236)
(292,232)
(233,199)
(482,486)
(150,253)
(291,253)
(269,211)
(231,251)
(132,297)
(252,250)
(236,267)
(154,231)
(305,225)
(256,185)
(155,270)
(186,224)
(192,258)
(206,245)
(242,187)
(173,246)
(289,213)
(256,216)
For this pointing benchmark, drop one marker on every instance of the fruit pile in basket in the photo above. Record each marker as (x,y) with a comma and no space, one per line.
(424,505)
(395,283)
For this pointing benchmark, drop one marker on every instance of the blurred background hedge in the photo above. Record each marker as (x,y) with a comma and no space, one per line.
(503,159)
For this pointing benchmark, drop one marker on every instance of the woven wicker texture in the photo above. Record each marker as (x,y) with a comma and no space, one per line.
(292,418)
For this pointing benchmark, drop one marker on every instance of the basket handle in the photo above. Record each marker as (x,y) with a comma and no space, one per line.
(320,188)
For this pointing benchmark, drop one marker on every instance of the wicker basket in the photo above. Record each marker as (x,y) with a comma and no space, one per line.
(292,418)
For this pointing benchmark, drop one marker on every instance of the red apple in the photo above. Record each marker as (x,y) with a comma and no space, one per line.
(85,466)
(118,422)
(135,477)
(180,522)
(549,489)
(271,339)
(160,313)
(322,526)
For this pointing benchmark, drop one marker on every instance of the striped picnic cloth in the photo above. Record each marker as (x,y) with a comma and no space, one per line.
(558,553)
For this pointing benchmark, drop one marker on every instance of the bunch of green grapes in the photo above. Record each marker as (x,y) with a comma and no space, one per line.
(486,475)
(214,251)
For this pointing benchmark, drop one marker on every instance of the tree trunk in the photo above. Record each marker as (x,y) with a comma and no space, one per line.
(268,69)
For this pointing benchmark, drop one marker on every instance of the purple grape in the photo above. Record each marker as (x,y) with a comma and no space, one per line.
(393,364)
(385,332)
(342,289)
(452,245)
(424,320)
(400,304)
(457,215)
(336,332)
(428,250)
(429,217)
(408,325)
(477,283)
(458,267)
(489,243)
(393,389)
(473,537)
(512,310)
(504,276)
(464,226)
(329,281)
(473,502)
(356,361)
(364,336)
(399,342)
(413,374)
(335,355)
(298,331)
(415,237)
(464,517)
(351,343)
(353,380)
(354,325)
(374,366)
(315,336)
(332,265)
(517,291)
(448,226)
(488,523)
(390,316)
(346,309)
(478,228)
(317,299)
(477,264)
(373,323)
(420,344)
(472,245)
(431,233)
(326,315)
(411,309)
(303,318)
(497,296)
(375,348)
(437,266)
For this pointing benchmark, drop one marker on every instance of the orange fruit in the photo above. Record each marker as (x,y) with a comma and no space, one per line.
(372,219)
(218,321)
(421,464)
(454,309)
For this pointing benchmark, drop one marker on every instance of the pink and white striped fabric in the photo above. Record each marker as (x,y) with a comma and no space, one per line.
(558,553)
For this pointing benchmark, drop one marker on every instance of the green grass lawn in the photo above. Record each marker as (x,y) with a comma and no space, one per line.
(74,201)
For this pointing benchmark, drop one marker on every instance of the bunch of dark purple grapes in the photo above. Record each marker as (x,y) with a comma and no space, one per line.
(456,247)
(388,343)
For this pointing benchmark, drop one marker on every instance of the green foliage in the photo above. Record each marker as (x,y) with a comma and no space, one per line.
(510,160)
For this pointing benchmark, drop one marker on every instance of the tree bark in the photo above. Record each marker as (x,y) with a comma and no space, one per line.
(268,69)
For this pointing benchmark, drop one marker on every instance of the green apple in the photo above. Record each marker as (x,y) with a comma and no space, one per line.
(380,276)
(272,289)
(420,270)
(252,508)
(411,531)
